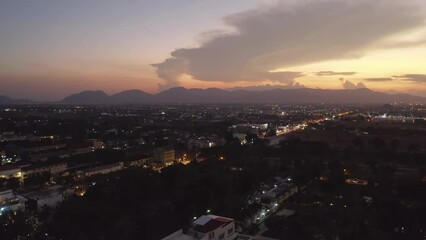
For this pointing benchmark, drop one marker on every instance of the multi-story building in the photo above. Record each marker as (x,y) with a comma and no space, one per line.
(164,155)
(47,147)
(10,171)
(52,168)
(104,169)
(138,161)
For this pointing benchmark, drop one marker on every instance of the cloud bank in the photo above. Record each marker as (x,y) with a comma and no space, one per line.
(350,85)
(420,78)
(379,79)
(332,73)
(267,87)
(286,34)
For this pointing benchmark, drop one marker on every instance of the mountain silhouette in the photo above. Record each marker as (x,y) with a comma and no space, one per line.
(216,95)
(8,100)
(131,96)
(88,97)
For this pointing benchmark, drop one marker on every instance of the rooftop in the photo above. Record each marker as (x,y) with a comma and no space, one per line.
(208,223)
(44,193)
(203,224)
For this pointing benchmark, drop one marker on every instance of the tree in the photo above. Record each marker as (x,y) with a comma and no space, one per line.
(336,175)
(37,179)
(358,142)
(394,144)
(44,213)
(14,183)
(378,143)
(413,147)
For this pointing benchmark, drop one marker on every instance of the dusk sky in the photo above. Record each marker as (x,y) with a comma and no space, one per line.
(52,48)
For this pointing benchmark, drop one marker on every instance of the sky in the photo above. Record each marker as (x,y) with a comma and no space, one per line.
(52,48)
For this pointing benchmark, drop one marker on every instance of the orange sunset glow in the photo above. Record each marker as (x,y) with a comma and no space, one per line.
(50,49)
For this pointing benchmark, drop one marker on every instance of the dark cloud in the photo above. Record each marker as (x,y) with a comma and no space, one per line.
(379,79)
(286,35)
(412,77)
(268,87)
(332,73)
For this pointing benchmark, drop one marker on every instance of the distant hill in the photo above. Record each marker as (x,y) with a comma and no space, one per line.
(131,96)
(8,100)
(88,97)
(215,95)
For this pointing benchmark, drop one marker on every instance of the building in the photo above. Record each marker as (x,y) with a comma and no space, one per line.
(198,143)
(4,159)
(44,156)
(211,227)
(10,171)
(257,129)
(9,202)
(5,195)
(50,197)
(89,146)
(138,161)
(96,144)
(207,227)
(52,168)
(164,155)
(241,137)
(104,169)
(48,147)
(204,142)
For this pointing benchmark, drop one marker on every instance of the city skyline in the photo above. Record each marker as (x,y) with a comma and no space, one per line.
(51,49)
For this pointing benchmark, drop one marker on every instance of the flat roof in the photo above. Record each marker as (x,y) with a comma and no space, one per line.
(44,193)
(178,235)
(208,223)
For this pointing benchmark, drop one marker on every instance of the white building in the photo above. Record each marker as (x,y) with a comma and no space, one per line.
(211,227)
(50,197)
(9,202)
(207,227)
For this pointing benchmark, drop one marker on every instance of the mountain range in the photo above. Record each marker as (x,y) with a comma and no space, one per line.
(216,95)
(8,100)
